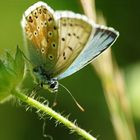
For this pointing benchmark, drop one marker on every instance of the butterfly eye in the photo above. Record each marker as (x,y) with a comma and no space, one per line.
(53,85)
(50,34)
(50,56)
(53,45)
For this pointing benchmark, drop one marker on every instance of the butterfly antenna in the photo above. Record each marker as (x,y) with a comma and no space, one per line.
(76,102)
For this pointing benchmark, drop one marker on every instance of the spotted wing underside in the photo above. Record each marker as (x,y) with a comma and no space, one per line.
(41,33)
(102,39)
(63,42)
(74,32)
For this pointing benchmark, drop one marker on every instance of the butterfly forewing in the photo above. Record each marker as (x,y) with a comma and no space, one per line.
(74,33)
(42,35)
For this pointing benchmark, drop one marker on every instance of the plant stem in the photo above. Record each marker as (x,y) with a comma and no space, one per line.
(47,110)
(113,84)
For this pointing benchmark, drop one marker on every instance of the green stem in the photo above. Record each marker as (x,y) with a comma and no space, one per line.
(53,114)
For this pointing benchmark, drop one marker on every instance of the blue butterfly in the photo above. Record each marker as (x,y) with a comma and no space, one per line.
(62,42)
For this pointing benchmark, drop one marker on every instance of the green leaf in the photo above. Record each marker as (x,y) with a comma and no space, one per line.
(6,83)
(10,61)
(11,74)
(19,63)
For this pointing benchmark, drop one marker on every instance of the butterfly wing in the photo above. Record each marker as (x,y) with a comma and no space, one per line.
(63,42)
(74,32)
(102,39)
(41,33)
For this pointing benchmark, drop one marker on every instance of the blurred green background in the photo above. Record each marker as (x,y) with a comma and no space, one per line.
(17,124)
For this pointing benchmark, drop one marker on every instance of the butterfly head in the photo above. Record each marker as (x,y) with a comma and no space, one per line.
(46,81)
(52,85)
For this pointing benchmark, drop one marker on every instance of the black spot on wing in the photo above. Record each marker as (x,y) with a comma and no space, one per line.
(64,55)
(54,27)
(63,39)
(69,34)
(70,48)
(50,19)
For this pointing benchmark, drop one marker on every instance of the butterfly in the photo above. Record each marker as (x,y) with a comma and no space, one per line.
(60,43)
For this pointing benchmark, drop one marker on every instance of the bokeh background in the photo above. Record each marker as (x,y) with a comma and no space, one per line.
(17,124)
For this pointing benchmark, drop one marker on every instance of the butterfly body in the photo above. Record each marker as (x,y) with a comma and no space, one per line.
(62,42)
(45,79)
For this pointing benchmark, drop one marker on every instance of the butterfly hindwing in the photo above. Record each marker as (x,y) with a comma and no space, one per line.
(74,32)
(102,39)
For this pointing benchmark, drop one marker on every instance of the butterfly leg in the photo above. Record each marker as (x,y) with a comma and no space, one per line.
(55,100)
(35,90)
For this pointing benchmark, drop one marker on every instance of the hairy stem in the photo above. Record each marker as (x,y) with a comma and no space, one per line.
(48,111)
